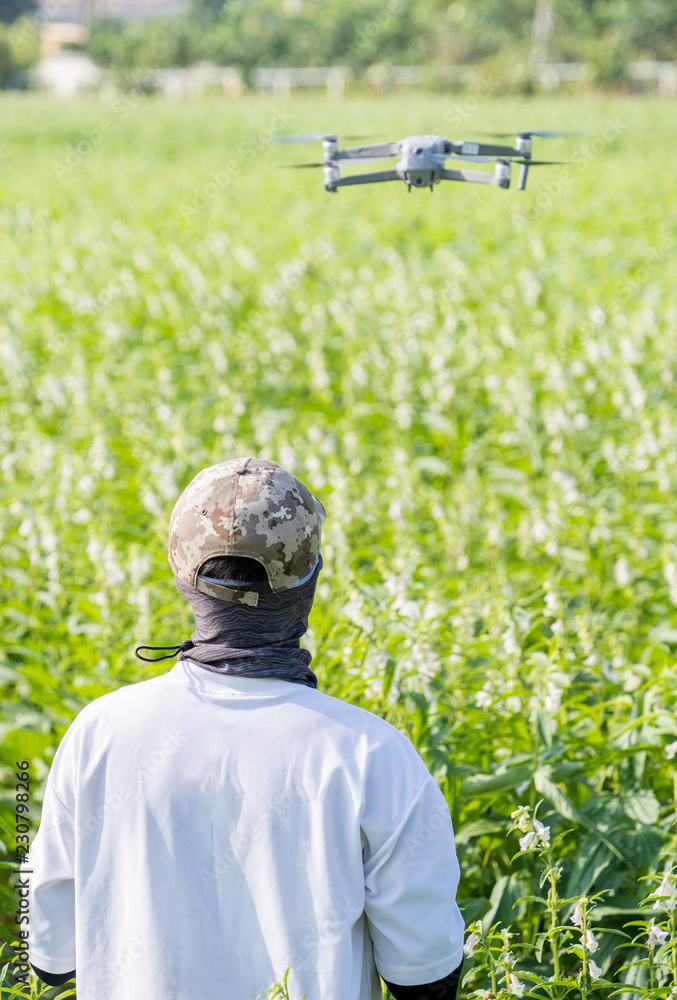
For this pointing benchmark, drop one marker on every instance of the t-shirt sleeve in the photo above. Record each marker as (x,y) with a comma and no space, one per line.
(410,894)
(52,879)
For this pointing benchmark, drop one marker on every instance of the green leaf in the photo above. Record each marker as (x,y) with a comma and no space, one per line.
(567,809)
(587,869)
(663,633)
(540,941)
(503,900)
(478,827)
(388,675)
(626,989)
(643,806)
(486,784)
(543,727)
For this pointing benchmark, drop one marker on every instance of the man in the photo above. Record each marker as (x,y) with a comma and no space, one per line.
(205,830)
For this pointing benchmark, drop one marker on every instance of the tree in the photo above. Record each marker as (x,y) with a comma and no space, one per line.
(10,10)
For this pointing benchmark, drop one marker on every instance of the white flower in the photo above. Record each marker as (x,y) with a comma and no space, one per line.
(631,680)
(521,817)
(527,840)
(622,572)
(671,750)
(589,942)
(484,697)
(408,609)
(539,530)
(516,986)
(543,832)
(551,605)
(469,946)
(577,918)
(557,626)
(510,643)
(553,698)
(664,889)
(494,534)
(595,970)
(656,936)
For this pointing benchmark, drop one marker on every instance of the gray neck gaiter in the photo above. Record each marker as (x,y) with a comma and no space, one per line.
(253,642)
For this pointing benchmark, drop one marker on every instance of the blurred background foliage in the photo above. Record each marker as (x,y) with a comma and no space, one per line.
(19,47)
(250,33)
(359,33)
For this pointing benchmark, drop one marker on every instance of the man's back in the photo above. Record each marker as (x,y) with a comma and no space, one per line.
(219,829)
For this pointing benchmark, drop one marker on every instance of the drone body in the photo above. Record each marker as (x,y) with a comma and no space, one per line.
(422,163)
(422,160)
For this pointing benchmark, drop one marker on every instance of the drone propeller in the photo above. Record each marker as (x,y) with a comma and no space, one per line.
(524,169)
(526,134)
(356,161)
(493,159)
(316,137)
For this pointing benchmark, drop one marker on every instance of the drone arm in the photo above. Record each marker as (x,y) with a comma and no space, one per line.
(483,149)
(473,176)
(372,149)
(375,178)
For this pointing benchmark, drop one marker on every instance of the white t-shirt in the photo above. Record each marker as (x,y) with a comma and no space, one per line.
(202,832)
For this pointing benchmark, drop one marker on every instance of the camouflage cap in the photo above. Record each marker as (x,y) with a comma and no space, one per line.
(247,507)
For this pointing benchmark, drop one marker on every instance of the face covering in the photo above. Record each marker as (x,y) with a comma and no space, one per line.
(261,641)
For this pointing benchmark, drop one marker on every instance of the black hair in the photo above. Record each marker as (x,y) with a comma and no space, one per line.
(238,568)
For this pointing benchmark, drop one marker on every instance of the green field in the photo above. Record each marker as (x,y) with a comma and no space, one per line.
(480,387)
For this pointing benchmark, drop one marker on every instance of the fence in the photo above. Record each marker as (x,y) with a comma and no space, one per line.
(281,80)
(664,74)
(57,74)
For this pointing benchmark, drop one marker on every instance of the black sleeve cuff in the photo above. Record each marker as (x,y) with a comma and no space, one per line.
(53,978)
(441,989)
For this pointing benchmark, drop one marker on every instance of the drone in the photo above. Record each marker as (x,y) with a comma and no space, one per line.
(423,158)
